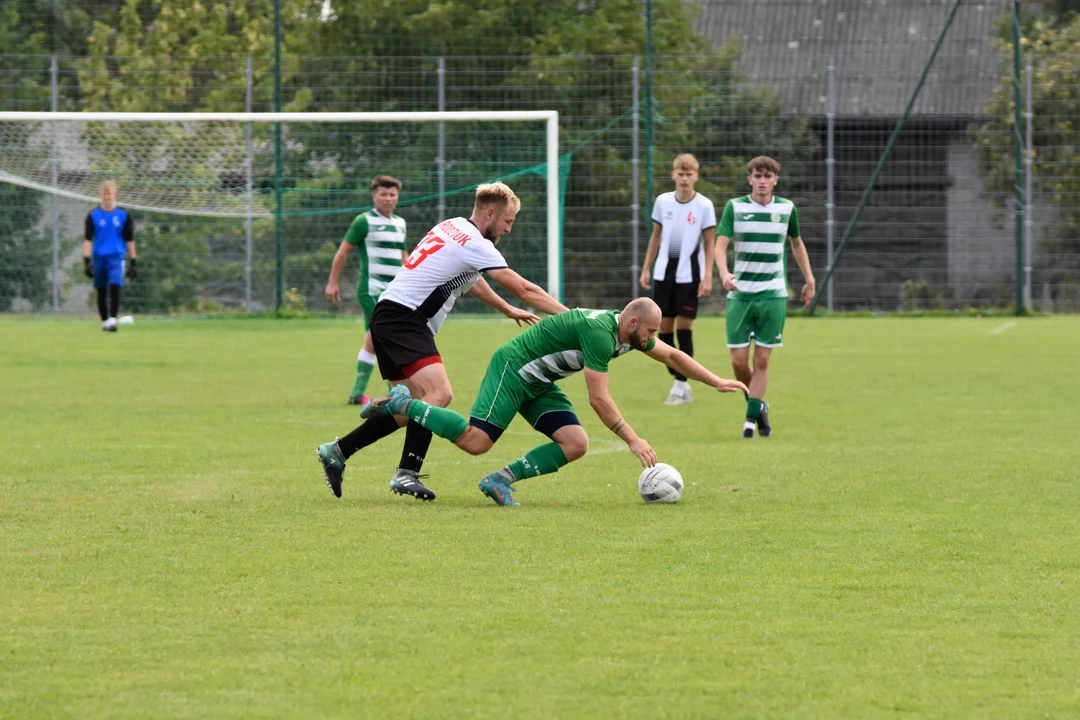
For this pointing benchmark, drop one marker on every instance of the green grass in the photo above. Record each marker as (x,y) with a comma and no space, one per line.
(907,544)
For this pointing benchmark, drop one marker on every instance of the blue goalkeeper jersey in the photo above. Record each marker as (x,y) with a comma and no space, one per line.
(109,231)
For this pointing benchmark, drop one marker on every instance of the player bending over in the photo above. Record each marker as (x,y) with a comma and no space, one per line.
(521,380)
(446,264)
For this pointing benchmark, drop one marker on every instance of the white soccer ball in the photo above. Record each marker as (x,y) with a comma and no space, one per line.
(660,484)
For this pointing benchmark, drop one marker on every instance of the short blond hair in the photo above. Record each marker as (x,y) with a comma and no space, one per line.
(107,184)
(497,194)
(686,161)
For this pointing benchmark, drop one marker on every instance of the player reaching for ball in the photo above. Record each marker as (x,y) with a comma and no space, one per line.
(521,379)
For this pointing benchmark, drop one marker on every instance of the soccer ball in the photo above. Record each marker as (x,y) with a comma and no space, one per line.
(660,484)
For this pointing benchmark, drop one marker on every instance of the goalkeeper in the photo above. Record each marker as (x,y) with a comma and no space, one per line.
(380,235)
(108,239)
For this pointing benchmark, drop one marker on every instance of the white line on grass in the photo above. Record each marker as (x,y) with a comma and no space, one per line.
(1003,327)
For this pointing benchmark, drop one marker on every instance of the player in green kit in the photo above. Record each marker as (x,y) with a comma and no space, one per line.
(380,236)
(521,380)
(759,223)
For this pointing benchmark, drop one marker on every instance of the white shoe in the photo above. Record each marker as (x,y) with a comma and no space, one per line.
(109,325)
(680,396)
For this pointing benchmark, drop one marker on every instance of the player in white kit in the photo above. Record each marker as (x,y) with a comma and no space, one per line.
(682,243)
(445,265)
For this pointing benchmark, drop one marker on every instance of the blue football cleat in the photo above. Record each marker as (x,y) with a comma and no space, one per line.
(494,485)
(393,403)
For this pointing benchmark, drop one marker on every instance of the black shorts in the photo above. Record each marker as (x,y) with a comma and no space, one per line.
(402,339)
(676,299)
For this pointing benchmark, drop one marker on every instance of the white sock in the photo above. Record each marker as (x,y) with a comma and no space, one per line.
(749,425)
(681,386)
(366,357)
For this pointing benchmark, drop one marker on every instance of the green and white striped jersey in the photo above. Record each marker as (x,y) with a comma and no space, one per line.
(381,241)
(759,233)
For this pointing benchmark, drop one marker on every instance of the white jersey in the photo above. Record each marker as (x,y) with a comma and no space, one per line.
(682,252)
(443,267)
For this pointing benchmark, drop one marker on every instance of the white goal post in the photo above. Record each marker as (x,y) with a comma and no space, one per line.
(549,117)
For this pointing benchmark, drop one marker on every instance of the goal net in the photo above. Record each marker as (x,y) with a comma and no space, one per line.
(246,210)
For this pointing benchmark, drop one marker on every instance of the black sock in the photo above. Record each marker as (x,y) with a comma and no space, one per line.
(417,442)
(370,432)
(102,311)
(114,300)
(668,339)
(686,344)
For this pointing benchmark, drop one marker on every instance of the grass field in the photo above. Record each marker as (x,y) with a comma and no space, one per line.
(907,544)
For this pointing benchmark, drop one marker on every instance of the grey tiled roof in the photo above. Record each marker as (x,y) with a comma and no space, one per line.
(879,46)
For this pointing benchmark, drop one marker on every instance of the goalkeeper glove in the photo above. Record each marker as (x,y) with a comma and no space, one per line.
(88,267)
(131,271)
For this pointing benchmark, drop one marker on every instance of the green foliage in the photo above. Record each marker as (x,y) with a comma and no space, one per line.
(25,248)
(1056,138)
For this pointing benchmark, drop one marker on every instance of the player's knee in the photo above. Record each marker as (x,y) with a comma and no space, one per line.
(740,365)
(575,447)
(439,397)
(475,442)
(761,362)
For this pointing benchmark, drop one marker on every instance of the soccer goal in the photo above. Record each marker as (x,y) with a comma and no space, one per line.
(269,195)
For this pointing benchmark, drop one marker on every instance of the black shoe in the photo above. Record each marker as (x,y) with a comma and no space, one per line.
(407,482)
(333,465)
(764,428)
(747,433)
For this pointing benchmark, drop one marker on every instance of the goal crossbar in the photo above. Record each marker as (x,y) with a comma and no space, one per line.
(549,117)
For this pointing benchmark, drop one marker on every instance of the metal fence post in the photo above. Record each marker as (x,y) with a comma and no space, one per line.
(635,160)
(279,208)
(830,179)
(247,186)
(440,161)
(54,211)
(1018,151)
(1029,159)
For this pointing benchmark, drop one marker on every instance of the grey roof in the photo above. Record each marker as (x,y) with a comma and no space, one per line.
(879,47)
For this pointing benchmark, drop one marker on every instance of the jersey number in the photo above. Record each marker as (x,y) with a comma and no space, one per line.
(430,245)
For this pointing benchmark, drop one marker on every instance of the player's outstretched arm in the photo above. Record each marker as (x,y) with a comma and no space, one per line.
(608,412)
(333,291)
(483,292)
(529,293)
(681,362)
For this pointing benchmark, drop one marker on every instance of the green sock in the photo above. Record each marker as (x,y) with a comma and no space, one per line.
(538,461)
(753,409)
(363,374)
(442,421)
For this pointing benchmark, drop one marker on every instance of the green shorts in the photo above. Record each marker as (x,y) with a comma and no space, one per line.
(503,394)
(367,302)
(761,319)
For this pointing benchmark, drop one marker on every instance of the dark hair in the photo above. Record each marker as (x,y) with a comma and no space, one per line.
(385,181)
(763,163)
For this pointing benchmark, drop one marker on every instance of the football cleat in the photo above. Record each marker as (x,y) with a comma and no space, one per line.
(747,432)
(393,403)
(494,485)
(333,464)
(407,482)
(764,427)
(359,400)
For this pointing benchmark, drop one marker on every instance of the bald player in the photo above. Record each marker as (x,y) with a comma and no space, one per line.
(521,380)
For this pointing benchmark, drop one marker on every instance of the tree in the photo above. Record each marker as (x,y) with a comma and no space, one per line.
(1056,138)
(163,55)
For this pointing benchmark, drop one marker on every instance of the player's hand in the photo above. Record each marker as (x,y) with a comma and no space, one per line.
(643,281)
(130,273)
(704,288)
(729,282)
(726,386)
(333,293)
(644,453)
(522,316)
(88,267)
(808,292)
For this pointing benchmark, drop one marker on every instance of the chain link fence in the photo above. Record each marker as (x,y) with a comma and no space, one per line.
(938,231)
